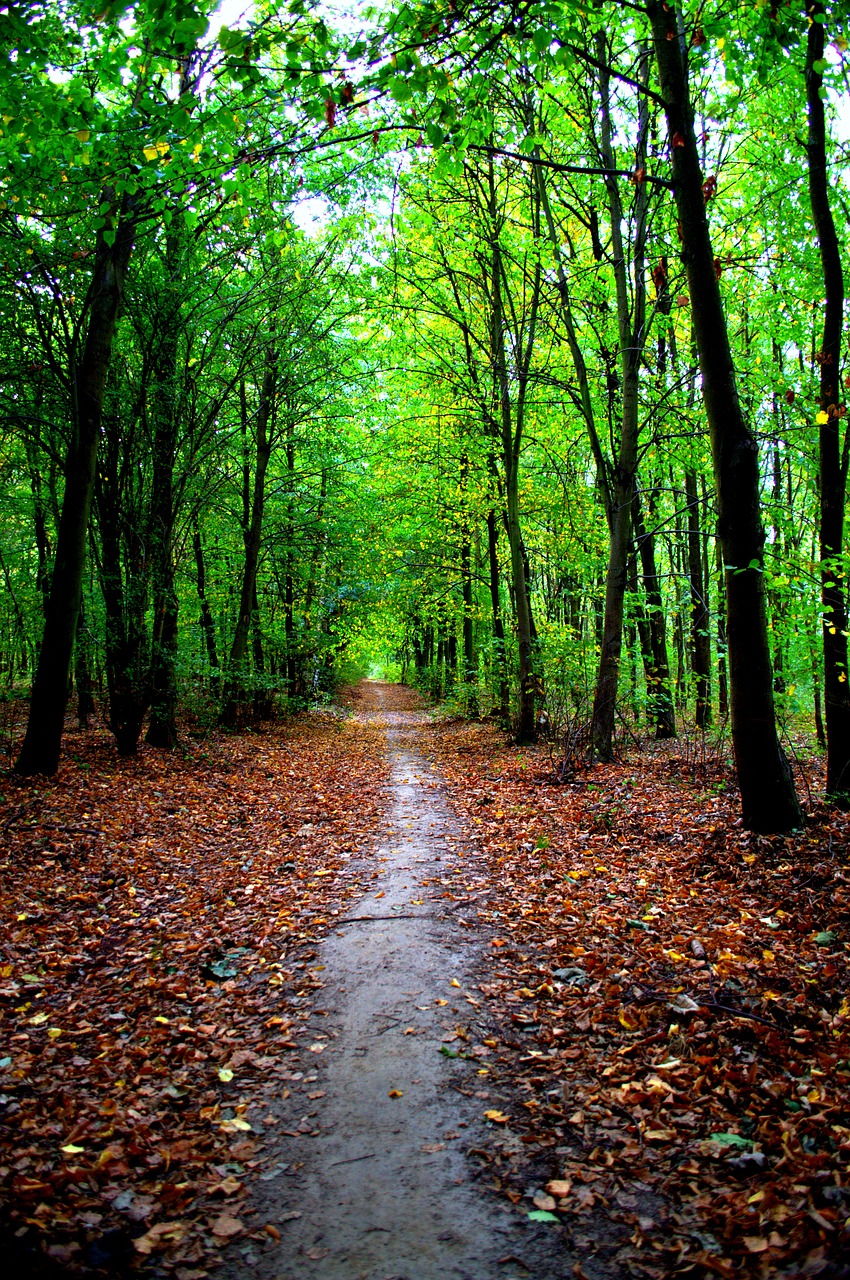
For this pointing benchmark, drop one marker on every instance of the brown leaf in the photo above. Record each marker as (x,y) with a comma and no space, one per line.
(226,1226)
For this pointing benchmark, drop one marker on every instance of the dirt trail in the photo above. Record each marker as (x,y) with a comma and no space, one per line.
(382,1185)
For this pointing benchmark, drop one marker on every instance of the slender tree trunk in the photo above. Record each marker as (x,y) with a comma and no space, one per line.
(498,626)
(470,663)
(662,711)
(511,437)
(235,692)
(722,674)
(768,796)
(621,486)
(124,585)
(39,509)
(832,458)
(700,637)
(207,620)
(162,729)
(82,671)
(42,742)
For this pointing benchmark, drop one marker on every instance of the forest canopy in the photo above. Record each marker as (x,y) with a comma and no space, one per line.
(496,345)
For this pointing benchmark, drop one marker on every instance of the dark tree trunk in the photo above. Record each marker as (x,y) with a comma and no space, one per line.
(124,583)
(207,620)
(768,796)
(700,636)
(722,675)
(235,692)
(470,663)
(162,729)
(620,486)
(661,709)
(42,742)
(833,466)
(501,682)
(82,671)
(39,509)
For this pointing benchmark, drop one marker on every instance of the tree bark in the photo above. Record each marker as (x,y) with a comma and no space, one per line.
(768,797)
(700,637)
(621,482)
(162,729)
(832,458)
(661,709)
(235,691)
(207,620)
(501,682)
(42,742)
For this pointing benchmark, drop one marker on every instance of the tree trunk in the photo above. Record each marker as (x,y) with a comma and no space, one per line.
(162,730)
(498,626)
(235,692)
(722,674)
(82,671)
(124,585)
(43,738)
(207,620)
(832,459)
(621,485)
(661,709)
(470,663)
(768,796)
(700,636)
(511,436)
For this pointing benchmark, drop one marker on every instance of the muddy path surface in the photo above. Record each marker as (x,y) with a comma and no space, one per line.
(374,1179)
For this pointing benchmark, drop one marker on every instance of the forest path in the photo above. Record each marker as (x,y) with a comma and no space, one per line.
(381,1187)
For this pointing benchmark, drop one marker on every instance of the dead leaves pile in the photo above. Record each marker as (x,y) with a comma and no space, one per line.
(675,997)
(156,918)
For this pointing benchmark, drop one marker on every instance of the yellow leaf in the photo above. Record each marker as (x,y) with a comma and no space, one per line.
(159,1018)
(150,153)
(821,418)
(83,135)
(38,1019)
(768,955)
(395,1093)
(454,982)
(225,1075)
(624,1022)
(71,1150)
(54,1032)
(498,1117)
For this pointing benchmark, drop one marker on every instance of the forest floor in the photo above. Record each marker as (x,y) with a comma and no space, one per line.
(365,996)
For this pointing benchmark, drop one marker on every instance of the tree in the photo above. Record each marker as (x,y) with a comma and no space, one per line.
(767,789)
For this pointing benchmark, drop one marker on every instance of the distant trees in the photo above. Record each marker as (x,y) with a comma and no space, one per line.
(543,421)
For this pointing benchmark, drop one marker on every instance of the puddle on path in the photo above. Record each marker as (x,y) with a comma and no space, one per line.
(385,1190)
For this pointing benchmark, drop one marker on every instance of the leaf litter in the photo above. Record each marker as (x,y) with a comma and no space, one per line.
(159,916)
(673,1002)
(668,997)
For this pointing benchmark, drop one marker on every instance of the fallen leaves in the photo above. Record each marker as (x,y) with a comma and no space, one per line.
(671,993)
(158,918)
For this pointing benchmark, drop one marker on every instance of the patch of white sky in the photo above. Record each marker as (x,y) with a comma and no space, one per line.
(311,213)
